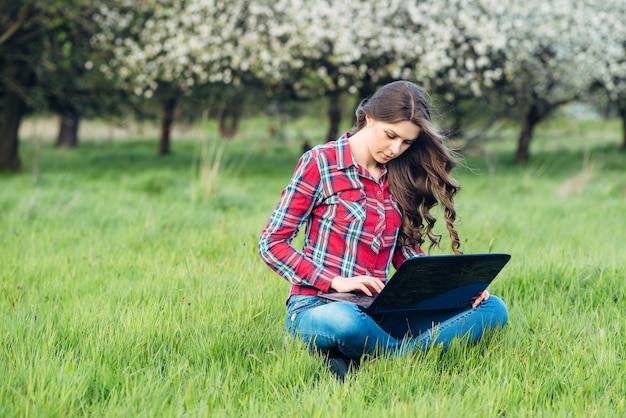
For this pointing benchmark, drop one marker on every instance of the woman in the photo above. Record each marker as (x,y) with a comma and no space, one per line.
(366,201)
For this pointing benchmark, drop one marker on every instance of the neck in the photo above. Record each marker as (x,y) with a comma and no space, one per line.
(358,147)
(361,154)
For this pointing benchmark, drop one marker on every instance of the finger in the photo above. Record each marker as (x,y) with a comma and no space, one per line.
(375,285)
(371,283)
(363,288)
(483,296)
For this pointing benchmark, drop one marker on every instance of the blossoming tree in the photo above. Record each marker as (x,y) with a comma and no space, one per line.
(38,52)
(527,57)
(546,60)
(325,47)
(457,54)
(167,48)
(609,54)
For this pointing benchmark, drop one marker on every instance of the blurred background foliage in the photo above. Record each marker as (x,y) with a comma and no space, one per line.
(486,63)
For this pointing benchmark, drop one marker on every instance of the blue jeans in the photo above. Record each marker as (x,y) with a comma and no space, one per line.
(341,328)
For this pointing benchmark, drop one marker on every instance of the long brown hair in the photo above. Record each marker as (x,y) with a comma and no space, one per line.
(420,178)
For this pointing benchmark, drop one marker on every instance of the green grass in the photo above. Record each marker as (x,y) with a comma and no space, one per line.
(128,291)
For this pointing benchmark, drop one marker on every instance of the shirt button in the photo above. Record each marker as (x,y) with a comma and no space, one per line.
(379,192)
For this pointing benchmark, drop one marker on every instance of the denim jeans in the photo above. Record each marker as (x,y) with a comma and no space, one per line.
(342,328)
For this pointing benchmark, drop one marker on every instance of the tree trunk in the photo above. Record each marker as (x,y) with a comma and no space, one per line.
(366,90)
(13,109)
(455,131)
(228,124)
(228,121)
(68,129)
(334,115)
(531,118)
(12,112)
(622,114)
(169,105)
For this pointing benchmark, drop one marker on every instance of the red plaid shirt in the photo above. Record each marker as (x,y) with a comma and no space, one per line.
(352,223)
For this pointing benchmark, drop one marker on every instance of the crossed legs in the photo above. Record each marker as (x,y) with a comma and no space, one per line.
(343,329)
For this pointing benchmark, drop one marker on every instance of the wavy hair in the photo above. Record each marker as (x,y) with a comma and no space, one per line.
(419,178)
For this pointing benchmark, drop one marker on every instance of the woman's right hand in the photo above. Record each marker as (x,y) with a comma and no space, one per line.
(366,284)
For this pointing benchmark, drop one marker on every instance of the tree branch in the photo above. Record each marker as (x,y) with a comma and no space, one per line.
(22,17)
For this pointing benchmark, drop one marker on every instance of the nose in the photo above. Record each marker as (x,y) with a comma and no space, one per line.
(395,147)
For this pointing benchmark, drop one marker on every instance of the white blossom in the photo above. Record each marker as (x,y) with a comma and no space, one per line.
(458,48)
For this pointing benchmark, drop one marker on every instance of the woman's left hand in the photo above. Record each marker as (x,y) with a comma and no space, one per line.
(483,296)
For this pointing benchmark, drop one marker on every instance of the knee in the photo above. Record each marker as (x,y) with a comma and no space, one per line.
(342,320)
(498,313)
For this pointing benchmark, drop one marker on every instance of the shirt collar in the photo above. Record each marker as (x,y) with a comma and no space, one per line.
(344,155)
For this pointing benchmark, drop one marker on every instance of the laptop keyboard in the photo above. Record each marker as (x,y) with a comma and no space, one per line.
(360,299)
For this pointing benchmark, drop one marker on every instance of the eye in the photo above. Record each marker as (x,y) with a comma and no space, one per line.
(391,136)
(408,142)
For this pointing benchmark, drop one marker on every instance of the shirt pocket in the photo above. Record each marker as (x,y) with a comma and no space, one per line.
(346,207)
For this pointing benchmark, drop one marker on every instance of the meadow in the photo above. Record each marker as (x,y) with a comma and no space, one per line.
(131,286)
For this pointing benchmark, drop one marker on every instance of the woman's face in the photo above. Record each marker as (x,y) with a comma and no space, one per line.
(390,140)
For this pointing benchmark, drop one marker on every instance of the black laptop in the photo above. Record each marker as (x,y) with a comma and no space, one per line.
(434,282)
